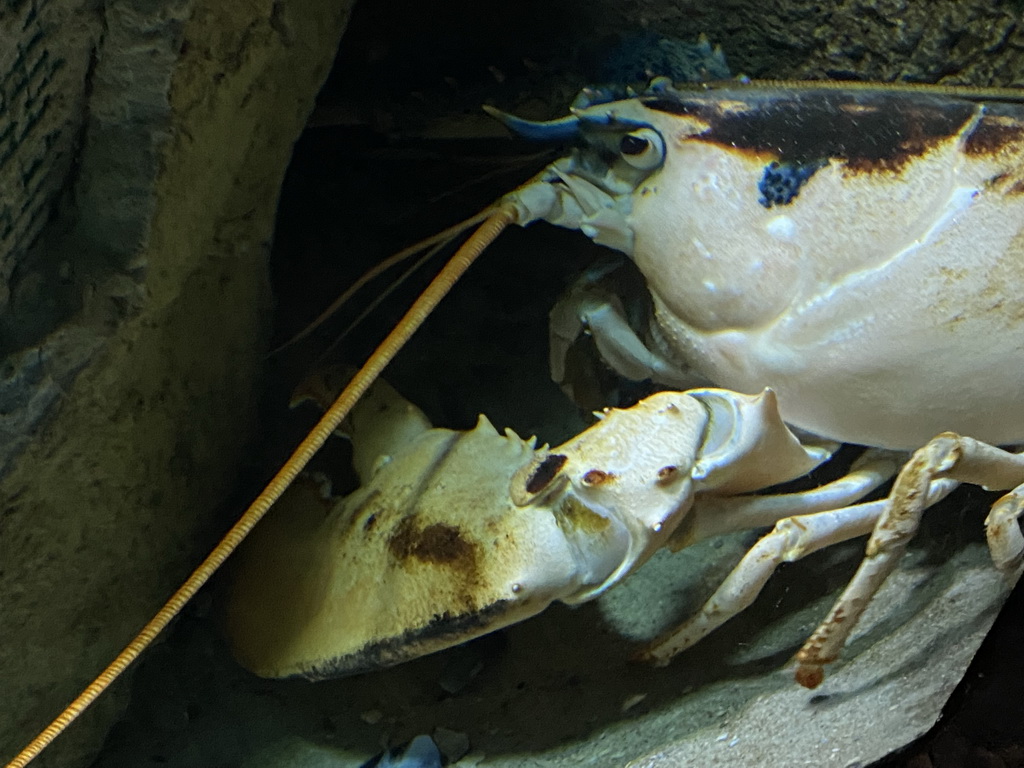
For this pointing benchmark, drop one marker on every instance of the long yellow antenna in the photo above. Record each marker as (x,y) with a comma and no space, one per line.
(497,220)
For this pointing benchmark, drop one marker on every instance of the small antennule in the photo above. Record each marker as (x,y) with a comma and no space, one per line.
(441,239)
(497,219)
(381,297)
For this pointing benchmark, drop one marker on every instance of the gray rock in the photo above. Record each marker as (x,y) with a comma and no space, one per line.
(134,290)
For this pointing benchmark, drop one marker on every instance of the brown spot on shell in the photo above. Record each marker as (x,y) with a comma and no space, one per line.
(867,130)
(596,477)
(545,472)
(437,543)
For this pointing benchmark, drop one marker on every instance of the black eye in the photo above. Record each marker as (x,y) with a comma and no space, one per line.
(634,145)
(538,480)
(545,472)
(643,149)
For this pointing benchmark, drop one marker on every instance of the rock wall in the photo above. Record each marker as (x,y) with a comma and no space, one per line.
(971,43)
(134,324)
(47,49)
(532,58)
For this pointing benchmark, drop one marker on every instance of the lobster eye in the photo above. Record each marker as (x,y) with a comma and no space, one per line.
(539,479)
(643,149)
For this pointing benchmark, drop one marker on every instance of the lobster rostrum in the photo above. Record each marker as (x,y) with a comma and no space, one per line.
(843,259)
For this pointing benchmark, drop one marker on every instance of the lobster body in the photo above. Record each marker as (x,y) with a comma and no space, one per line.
(859,251)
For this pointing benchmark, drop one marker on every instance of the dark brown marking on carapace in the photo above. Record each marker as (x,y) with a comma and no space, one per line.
(1001,126)
(437,543)
(867,130)
(545,472)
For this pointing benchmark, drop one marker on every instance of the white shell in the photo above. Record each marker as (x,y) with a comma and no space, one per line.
(884,302)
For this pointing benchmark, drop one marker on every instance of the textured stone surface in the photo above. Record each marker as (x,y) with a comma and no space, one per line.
(46,51)
(974,43)
(164,246)
(535,58)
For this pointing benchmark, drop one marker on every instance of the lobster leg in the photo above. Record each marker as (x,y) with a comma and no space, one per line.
(604,312)
(713,515)
(947,456)
(1005,541)
(793,537)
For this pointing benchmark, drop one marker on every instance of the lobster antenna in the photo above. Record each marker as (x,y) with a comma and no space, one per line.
(497,219)
(441,239)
